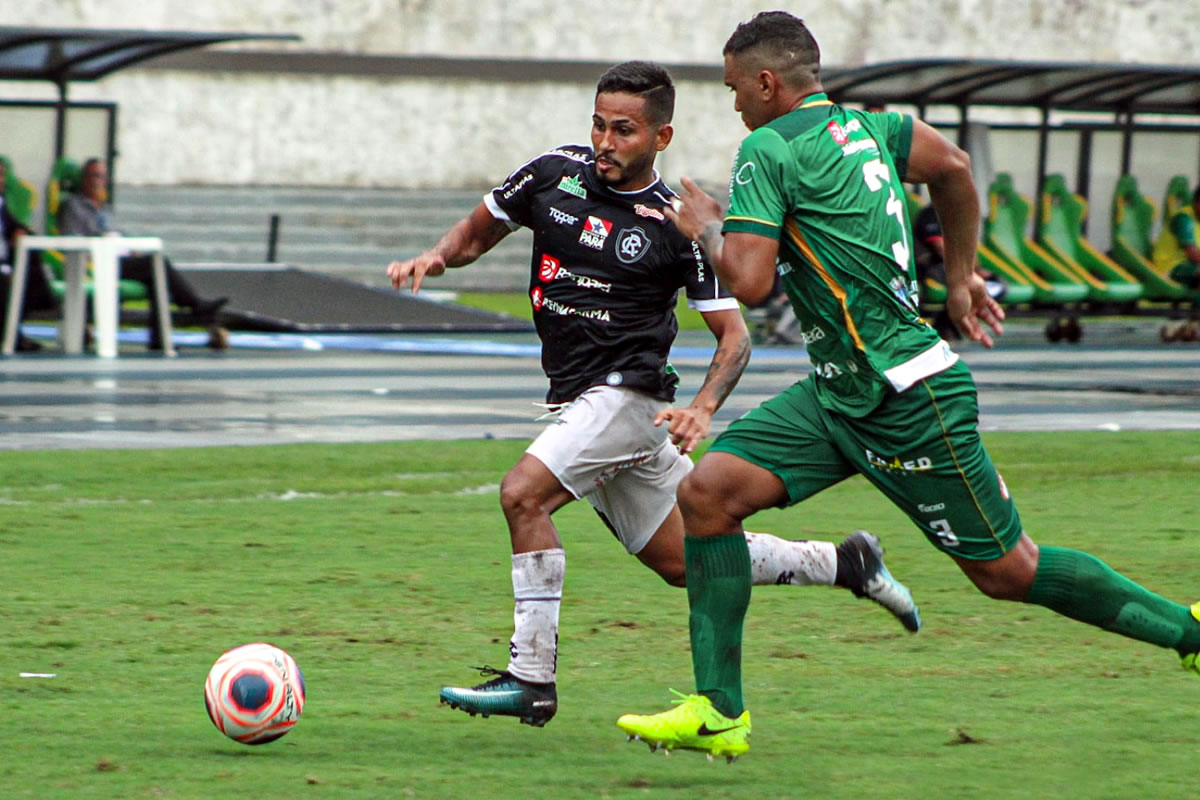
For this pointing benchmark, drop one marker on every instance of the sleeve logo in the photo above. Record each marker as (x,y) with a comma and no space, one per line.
(745,173)
(549,268)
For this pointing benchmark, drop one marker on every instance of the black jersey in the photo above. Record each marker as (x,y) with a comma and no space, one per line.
(605,272)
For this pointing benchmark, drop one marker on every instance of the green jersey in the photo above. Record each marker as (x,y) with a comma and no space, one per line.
(826,182)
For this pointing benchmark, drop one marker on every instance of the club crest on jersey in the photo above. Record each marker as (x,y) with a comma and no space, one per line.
(572,185)
(595,232)
(632,244)
(647,211)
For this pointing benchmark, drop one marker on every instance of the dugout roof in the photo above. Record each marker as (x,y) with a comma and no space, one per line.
(63,55)
(1080,86)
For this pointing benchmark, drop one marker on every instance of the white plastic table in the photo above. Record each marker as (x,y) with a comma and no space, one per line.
(106,252)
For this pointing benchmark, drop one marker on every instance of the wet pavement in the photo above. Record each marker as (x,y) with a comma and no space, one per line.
(276,389)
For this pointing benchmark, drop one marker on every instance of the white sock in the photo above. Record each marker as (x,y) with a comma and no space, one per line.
(788,561)
(537,579)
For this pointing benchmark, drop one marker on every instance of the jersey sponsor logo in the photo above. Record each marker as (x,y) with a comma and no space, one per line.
(572,185)
(518,186)
(861,146)
(549,268)
(835,130)
(536,298)
(930,509)
(918,464)
(595,232)
(647,211)
(562,217)
(563,310)
(582,158)
(782,267)
(632,244)
(816,334)
(698,255)
(745,173)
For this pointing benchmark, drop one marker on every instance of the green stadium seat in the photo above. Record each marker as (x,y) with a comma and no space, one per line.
(1060,232)
(1177,196)
(66,177)
(1009,252)
(1132,222)
(19,195)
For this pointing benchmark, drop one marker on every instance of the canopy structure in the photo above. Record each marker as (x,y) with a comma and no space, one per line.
(1116,88)
(65,55)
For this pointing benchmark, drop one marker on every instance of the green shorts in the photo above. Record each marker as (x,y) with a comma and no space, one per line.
(921,448)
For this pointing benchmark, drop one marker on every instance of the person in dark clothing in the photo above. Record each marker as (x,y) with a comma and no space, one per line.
(87,213)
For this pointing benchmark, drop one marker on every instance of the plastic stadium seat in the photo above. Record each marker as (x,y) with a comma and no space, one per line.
(1060,232)
(1009,252)
(1177,196)
(1132,222)
(19,196)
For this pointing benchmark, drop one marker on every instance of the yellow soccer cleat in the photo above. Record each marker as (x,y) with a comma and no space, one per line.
(693,724)
(1191,662)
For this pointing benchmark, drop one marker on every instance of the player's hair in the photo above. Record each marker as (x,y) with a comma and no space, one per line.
(1196,195)
(646,80)
(781,43)
(87,164)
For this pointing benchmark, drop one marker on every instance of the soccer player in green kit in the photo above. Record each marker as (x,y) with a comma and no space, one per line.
(816,194)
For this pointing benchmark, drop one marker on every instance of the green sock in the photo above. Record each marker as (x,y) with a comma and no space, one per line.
(718,587)
(1084,588)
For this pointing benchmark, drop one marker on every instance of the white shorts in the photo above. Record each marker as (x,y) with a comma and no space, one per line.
(604,446)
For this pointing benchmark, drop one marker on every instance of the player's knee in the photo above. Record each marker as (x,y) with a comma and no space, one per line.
(674,575)
(516,496)
(696,497)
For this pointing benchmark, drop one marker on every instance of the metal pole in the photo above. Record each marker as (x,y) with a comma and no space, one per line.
(60,122)
(273,238)
(1043,158)
(1083,175)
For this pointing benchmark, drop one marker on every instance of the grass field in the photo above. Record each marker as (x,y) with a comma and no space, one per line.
(384,570)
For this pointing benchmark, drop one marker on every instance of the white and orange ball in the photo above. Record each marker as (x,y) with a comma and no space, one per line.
(254,693)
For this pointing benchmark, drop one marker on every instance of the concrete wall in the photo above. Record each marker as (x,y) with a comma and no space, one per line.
(224,128)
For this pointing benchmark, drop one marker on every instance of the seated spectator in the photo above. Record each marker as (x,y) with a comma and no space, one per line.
(1176,252)
(87,213)
(38,294)
(930,257)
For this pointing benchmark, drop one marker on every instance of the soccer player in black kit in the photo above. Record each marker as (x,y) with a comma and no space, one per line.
(605,272)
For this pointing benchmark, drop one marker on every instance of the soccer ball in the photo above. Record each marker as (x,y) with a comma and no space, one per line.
(254,693)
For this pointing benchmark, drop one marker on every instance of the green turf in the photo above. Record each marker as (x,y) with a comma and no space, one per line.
(384,570)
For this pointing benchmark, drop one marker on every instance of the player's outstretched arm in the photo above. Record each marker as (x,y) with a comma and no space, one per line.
(946,170)
(470,238)
(689,426)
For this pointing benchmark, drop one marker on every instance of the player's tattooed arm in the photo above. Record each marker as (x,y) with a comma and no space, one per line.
(689,426)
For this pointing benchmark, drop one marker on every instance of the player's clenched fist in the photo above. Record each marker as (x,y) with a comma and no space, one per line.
(414,270)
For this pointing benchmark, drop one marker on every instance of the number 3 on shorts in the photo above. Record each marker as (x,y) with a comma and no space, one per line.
(941,529)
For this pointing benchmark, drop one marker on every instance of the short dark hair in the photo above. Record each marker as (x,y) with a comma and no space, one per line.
(782,42)
(647,80)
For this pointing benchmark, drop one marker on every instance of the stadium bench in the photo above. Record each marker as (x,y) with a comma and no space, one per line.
(1132,222)
(1060,232)
(1010,253)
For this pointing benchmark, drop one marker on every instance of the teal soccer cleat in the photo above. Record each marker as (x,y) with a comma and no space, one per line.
(506,695)
(876,582)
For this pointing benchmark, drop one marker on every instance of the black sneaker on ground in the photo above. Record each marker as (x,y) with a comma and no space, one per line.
(861,556)
(507,695)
